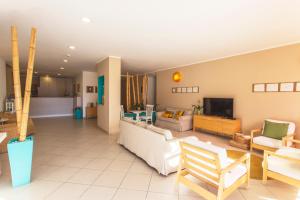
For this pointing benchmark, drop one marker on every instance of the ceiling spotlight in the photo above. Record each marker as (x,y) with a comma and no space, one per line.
(65,60)
(61,68)
(68,55)
(72,47)
(85,20)
(58,74)
(35,72)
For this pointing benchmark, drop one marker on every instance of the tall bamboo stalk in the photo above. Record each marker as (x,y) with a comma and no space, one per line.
(129,92)
(16,76)
(127,95)
(133,90)
(25,112)
(138,89)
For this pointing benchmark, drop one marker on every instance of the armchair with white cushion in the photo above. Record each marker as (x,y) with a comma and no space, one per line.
(283,164)
(210,164)
(263,142)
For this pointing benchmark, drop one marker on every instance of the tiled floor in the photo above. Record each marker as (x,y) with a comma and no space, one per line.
(75,160)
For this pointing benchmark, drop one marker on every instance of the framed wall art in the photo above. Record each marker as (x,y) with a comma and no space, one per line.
(286,87)
(272,87)
(258,87)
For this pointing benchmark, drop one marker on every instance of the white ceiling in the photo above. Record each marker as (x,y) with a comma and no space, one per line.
(147,35)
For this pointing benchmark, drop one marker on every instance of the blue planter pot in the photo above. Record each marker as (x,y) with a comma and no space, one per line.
(20,160)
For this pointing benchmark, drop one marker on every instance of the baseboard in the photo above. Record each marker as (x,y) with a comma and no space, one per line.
(55,115)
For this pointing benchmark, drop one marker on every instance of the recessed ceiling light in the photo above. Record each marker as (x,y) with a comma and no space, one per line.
(58,74)
(72,47)
(35,72)
(86,20)
(68,55)
(65,60)
(61,68)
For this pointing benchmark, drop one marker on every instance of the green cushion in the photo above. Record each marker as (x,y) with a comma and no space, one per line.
(275,130)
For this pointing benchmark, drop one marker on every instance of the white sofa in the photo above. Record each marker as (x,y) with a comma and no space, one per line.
(154,145)
(184,123)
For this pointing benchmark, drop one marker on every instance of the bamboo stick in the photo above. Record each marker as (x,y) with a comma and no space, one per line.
(138,89)
(146,89)
(127,99)
(133,90)
(16,76)
(129,93)
(31,56)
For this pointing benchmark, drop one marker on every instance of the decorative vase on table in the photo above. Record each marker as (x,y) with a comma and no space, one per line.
(20,160)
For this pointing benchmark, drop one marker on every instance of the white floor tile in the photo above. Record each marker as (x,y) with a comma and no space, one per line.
(136,182)
(123,194)
(61,174)
(140,166)
(161,196)
(120,165)
(162,184)
(99,164)
(101,193)
(68,191)
(110,179)
(85,176)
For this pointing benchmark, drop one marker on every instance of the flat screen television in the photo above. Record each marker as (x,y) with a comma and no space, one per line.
(222,107)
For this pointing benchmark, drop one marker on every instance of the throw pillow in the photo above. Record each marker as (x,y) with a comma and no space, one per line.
(179,114)
(167,114)
(275,130)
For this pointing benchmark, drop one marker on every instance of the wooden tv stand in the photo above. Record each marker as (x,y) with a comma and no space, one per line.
(218,125)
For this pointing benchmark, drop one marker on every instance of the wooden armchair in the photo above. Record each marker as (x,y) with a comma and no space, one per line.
(283,165)
(210,164)
(258,141)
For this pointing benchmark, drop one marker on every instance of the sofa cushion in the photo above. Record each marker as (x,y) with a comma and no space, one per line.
(275,130)
(171,120)
(166,133)
(283,166)
(233,175)
(266,141)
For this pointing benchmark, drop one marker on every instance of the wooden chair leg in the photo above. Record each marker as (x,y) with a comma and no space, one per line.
(265,168)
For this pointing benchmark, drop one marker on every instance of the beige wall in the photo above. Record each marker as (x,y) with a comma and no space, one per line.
(54,87)
(233,77)
(109,114)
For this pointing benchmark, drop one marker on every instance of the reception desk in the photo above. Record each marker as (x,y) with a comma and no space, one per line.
(51,107)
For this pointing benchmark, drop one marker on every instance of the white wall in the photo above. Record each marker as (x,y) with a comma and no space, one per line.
(2,83)
(151,96)
(88,79)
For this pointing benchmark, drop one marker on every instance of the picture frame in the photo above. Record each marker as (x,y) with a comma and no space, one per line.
(272,87)
(287,87)
(89,89)
(195,89)
(173,90)
(189,90)
(297,87)
(258,87)
(183,90)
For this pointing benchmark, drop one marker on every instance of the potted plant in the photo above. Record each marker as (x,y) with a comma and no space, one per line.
(20,149)
(198,109)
